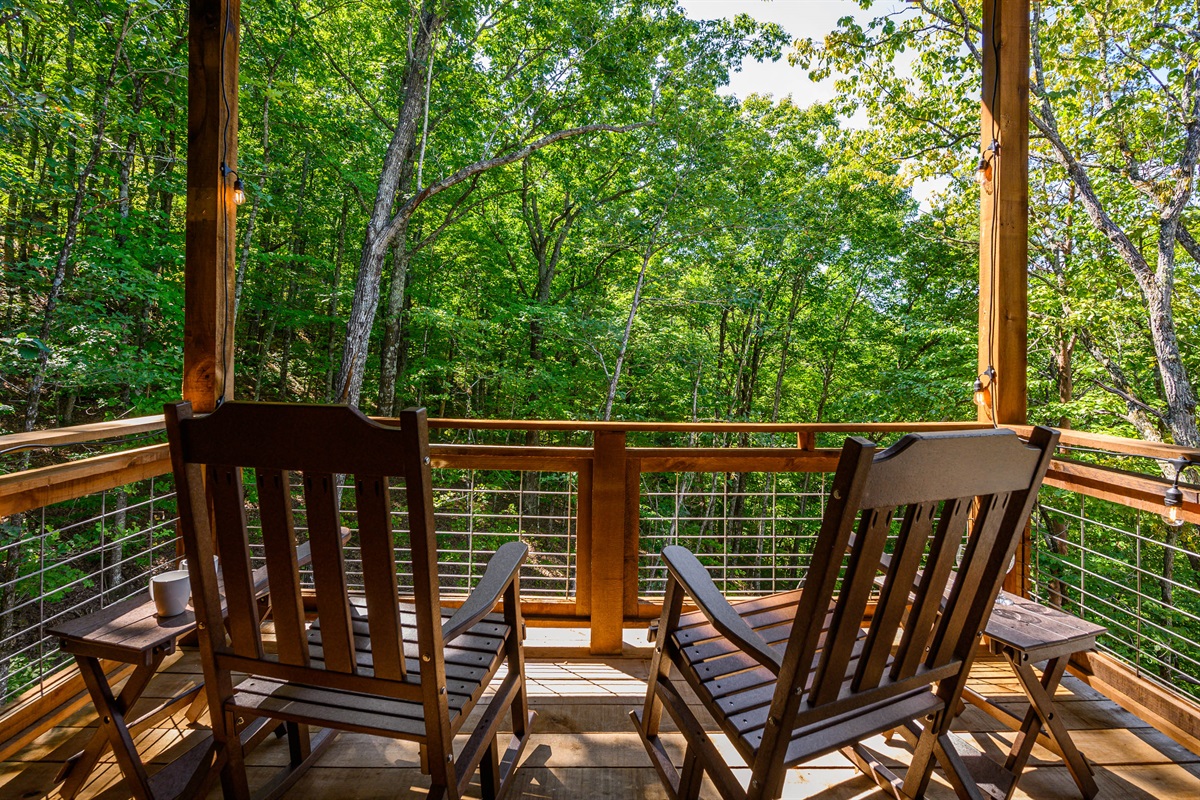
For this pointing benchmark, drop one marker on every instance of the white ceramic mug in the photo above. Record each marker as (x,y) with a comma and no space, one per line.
(171,592)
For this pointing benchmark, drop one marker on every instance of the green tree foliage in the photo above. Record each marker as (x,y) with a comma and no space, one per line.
(1115,124)
(716,259)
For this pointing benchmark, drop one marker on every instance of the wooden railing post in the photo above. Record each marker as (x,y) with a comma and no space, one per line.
(608,542)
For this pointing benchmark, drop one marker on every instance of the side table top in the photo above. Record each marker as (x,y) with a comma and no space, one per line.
(1039,631)
(127,631)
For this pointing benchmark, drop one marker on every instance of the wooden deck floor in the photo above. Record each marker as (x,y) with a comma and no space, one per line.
(583,747)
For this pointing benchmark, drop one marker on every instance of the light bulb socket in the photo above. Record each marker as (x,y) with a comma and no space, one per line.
(1173,497)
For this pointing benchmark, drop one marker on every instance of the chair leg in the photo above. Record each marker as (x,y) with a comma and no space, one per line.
(660,666)
(489,771)
(916,779)
(299,742)
(233,772)
(691,777)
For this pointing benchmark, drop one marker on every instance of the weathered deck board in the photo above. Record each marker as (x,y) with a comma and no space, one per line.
(583,745)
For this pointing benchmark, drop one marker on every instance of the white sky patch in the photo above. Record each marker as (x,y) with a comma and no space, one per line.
(802,19)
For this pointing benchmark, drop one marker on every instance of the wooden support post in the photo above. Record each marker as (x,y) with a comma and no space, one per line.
(211,218)
(608,542)
(632,530)
(1004,208)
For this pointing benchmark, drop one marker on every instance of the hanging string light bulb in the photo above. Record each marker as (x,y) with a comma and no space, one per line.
(983,175)
(239,188)
(983,390)
(985,171)
(1173,497)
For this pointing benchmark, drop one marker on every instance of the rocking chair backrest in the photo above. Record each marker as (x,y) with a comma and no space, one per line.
(322,443)
(925,491)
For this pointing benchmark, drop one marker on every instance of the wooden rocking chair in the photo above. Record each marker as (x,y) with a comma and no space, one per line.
(796,675)
(367,663)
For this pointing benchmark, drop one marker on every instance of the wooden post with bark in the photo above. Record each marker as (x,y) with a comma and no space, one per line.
(211,213)
(1004,208)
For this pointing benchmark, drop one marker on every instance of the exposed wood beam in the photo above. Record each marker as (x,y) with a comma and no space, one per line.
(211,217)
(1004,211)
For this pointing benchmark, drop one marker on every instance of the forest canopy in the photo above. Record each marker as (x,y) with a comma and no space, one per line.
(536,210)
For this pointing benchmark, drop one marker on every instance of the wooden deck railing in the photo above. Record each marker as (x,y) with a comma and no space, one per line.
(606,590)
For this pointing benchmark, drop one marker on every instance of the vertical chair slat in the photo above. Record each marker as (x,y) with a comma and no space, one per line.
(283,572)
(377,545)
(927,600)
(971,581)
(229,520)
(851,603)
(894,595)
(329,571)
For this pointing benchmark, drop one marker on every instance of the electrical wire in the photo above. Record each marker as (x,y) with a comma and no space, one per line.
(991,157)
(224,281)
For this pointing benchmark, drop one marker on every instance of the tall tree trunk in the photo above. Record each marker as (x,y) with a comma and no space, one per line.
(624,347)
(332,308)
(798,285)
(383,225)
(285,354)
(256,199)
(392,332)
(125,167)
(113,555)
(378,238)
(264,345)
(72,228)
(1157,283)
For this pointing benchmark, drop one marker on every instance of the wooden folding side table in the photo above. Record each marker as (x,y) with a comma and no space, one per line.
(1025,633)
(130,632)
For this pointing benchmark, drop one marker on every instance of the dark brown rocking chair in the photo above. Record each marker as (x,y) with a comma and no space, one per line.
(368,663)
(796,675)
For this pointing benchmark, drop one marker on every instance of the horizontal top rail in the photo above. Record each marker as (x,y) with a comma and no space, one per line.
(78,434)
(632,426)
(34,488)
(112,429)
(23,491)
(1117,445)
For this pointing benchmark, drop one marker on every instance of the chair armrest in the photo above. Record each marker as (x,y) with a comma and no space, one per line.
(502,570)
(694,578)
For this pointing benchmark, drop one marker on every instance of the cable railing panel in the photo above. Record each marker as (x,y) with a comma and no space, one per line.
(747,499)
